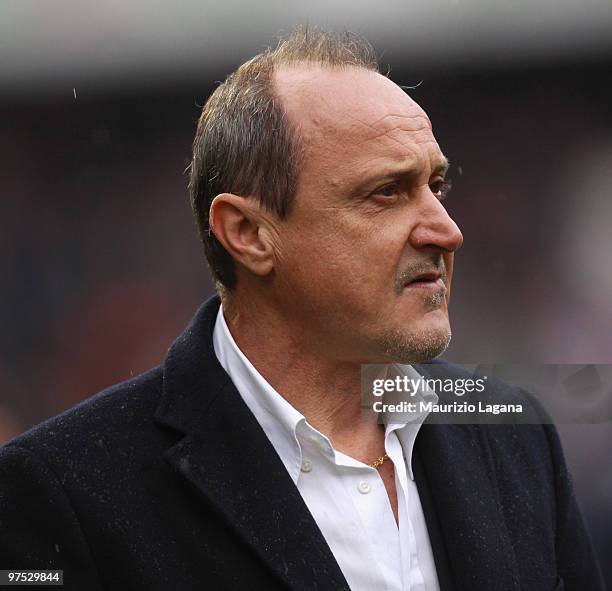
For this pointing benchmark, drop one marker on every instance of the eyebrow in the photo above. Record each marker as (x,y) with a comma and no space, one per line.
(441,168)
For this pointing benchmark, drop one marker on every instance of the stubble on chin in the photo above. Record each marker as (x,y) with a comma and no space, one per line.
(418,346)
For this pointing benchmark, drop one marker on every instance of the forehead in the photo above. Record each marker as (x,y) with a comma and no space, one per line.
(355,112)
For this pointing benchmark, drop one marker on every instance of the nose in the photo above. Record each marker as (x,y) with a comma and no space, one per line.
(434,227)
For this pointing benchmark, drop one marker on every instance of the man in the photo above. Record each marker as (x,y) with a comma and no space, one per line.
(244,462)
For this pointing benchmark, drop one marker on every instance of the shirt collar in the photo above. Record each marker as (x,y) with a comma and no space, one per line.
(407,426)
(282,422)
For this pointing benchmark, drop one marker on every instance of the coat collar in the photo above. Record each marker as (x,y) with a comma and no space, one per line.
(228,458)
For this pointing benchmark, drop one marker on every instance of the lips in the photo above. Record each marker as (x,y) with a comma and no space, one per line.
(426,278)
(428,281)
(430,275)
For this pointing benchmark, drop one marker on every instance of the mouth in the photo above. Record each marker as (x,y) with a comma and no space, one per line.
(428,277)
(431,281)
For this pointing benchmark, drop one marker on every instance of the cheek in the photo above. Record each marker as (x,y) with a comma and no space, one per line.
(331,259)
(342,250)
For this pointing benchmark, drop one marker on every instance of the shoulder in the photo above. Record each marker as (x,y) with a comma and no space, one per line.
(113,420)
(61,478)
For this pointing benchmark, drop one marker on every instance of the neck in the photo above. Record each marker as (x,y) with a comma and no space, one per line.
(324,389)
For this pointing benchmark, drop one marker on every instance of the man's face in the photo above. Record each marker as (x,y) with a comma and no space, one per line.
(364,259)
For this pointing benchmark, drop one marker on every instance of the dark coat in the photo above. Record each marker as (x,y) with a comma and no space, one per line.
(167,482)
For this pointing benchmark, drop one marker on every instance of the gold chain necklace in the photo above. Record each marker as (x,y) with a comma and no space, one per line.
(379,462)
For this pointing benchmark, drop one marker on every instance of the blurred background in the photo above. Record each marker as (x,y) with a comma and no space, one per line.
(100,265)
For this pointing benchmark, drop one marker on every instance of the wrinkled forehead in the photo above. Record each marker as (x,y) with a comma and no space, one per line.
(350,106)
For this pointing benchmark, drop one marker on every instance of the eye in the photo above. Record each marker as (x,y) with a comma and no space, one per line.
(441,188)
(387,191)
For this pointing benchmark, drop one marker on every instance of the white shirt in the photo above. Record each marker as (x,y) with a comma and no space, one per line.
(347,498)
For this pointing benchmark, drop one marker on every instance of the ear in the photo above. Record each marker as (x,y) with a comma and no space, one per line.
(237,223)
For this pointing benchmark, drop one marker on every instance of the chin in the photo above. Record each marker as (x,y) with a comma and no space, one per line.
(417,343)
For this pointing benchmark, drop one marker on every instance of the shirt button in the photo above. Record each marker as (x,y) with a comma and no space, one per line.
(306,466)
(364,487)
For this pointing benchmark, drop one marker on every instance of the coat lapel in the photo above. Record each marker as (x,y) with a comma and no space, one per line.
(226,455)
(456,475)
(467,508)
